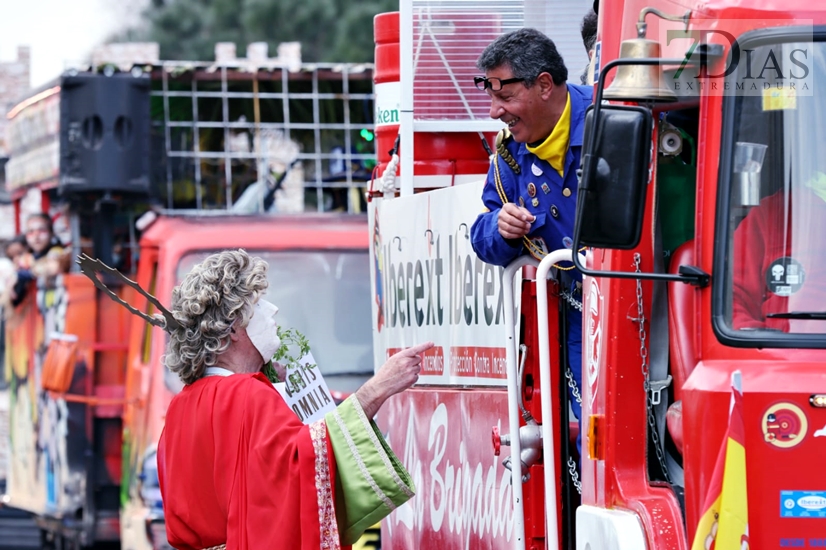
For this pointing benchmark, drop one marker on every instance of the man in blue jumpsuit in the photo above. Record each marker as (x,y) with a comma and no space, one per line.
(530,191)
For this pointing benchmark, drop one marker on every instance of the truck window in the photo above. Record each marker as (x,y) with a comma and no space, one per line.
(775,282)
(326,296)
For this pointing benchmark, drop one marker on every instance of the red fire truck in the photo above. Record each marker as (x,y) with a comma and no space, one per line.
(699,208)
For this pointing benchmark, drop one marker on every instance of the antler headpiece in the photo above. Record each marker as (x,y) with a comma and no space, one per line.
(91,266)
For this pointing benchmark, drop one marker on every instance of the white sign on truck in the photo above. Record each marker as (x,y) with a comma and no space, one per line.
(428,284)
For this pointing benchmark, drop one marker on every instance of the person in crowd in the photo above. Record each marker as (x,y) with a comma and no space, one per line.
(237,468)
(530,192)
(15,251)
(588,30)
(778,260)
(48,256)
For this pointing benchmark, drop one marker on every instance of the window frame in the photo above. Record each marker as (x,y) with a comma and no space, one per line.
(721,285)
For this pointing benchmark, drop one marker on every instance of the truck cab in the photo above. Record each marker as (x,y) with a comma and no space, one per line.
(719,284)
(699,219)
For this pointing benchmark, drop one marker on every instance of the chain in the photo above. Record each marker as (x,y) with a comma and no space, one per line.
(573,302)
(569,376)
(577,305)
(572,384)
(574,475)
(652,424)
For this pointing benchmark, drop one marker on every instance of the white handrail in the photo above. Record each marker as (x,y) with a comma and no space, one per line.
(548,451)
(514,398)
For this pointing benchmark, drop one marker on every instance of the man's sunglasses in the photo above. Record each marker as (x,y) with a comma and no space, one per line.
(493,84)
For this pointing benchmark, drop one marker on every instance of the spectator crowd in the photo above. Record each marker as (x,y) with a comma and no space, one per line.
(36,254)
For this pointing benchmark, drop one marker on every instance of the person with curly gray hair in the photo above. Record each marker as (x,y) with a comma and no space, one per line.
(218,294)
(236,466)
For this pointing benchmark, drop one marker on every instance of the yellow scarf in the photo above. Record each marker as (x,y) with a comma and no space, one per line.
(555,146)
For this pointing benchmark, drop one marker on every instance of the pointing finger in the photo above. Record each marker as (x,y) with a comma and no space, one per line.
(418,348)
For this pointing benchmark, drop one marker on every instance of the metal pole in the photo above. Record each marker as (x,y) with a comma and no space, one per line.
(225,119)
(317,146)
(167,136)
(348,142)
(514,399)
(260,165)
(196,145)
(406,101)
(548,452)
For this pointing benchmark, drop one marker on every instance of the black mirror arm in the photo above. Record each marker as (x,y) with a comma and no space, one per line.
(688,274)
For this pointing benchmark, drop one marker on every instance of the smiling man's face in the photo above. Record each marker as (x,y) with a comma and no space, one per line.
(519,107)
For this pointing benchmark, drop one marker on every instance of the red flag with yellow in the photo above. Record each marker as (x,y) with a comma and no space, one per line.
(724,524)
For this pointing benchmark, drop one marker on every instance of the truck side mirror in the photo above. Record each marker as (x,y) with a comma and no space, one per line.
(615,173)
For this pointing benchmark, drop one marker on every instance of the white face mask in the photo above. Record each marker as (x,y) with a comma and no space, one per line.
(263,330)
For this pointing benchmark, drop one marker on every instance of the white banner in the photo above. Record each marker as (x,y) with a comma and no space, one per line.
(429,285)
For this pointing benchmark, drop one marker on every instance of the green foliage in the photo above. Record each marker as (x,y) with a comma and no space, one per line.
(329,30)
(294,346)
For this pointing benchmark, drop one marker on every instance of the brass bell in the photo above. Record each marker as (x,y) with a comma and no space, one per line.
(639,83)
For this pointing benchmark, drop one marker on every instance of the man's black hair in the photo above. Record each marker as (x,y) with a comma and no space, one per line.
(528,53)
(588,29)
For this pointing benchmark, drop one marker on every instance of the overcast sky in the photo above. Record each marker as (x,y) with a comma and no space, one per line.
(60,31)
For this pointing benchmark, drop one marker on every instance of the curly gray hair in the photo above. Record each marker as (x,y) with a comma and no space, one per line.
(212,297)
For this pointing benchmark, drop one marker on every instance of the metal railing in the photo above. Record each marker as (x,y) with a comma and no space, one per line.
(220,131)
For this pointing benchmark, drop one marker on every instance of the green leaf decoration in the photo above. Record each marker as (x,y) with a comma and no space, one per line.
(294,347)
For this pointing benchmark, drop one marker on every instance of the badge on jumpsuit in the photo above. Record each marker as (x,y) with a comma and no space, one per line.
(545,188)
(535,202)
(521,202)
(531,189)
(566,192)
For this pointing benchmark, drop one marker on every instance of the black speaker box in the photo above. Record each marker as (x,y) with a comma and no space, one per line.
(104,133)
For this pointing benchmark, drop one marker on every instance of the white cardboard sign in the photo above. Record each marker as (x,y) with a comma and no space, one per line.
(306,392)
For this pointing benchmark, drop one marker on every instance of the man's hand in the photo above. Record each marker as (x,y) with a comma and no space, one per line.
(399,373)
(514,222)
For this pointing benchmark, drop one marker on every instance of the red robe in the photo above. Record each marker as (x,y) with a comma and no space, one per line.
(236,466)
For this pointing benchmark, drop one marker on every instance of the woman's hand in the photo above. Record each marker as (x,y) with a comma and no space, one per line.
(399,373)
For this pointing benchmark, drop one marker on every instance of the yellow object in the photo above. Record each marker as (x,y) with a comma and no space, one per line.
(596,424)
(776,100)
(371,539)
(725,522)
(818,400)
(818,185)
(555,146)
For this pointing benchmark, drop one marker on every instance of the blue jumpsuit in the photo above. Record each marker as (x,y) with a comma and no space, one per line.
(552,199)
